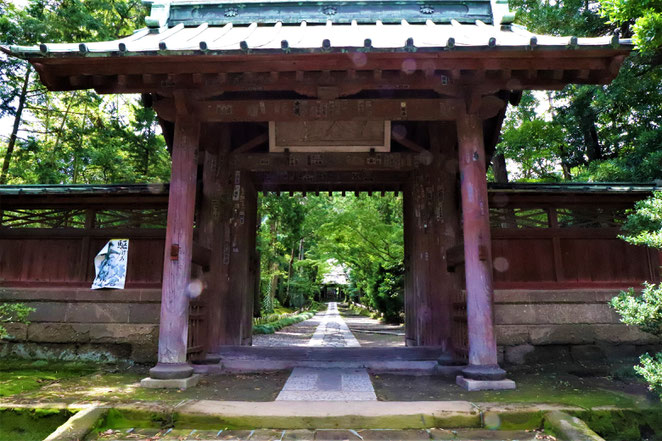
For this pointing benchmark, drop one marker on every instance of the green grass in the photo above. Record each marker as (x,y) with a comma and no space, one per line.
(30,424)
(19,376)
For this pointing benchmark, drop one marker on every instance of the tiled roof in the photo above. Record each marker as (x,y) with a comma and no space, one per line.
(162,189)
(304,38)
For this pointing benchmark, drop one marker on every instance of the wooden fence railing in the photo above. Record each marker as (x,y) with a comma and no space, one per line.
(540,239)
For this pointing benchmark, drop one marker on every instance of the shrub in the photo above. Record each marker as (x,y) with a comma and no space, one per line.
(644,227)
(13,313)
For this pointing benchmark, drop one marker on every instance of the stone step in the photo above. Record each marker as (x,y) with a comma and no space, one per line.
(242,365)
(321,435)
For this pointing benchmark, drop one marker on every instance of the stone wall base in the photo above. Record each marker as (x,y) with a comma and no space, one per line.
(580,354)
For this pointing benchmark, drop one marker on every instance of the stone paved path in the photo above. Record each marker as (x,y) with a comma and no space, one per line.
(308,384)
(298,334)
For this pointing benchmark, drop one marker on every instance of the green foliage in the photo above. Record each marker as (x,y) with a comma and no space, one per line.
(300,238)
(13,313)
(644,227)
(584,132)
(272,326)
(644,223)
(650,368)
(80,136)
(644,311)
(644,16)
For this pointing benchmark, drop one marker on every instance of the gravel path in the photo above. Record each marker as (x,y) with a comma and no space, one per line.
(298,334)
(373,333)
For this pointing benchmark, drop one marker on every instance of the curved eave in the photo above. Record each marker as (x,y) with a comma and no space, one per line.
(454,48)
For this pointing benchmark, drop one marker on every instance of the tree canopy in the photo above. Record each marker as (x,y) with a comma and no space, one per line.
(80,136)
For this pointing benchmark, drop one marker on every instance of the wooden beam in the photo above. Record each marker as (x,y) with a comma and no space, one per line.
(329,110)
(315,110)
(409,144)
(349,162)
(253,143)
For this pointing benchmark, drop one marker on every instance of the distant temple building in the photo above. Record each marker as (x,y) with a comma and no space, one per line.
(370,96)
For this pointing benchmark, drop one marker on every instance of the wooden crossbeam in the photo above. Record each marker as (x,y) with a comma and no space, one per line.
(328,161)
(253,143)
(328,110)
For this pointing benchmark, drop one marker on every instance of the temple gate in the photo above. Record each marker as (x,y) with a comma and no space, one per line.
(225,78)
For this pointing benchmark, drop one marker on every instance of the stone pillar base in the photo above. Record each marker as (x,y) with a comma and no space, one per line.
(491,372)
(173,383)
(171,371)
(475,385)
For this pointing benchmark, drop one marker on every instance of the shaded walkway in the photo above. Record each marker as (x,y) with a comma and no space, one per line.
(320,384)
(298,334)
(371,332)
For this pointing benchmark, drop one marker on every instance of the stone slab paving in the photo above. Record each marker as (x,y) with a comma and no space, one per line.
(313,384)
(308,384)
(333,331)
(322,435)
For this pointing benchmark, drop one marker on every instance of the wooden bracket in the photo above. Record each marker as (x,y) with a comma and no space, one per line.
(183,105)
(474,101)
(174,252)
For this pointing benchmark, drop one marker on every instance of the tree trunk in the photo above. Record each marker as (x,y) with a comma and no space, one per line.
(499,168)
(17,123)
(289,274)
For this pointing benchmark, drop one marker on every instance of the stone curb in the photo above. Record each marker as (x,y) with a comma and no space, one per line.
(78,426)
(569,428)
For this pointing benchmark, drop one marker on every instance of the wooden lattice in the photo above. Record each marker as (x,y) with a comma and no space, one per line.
(196,330)
(43,218)
(79,218)
(459,330)
(590,217)
(154,218)
(519,218)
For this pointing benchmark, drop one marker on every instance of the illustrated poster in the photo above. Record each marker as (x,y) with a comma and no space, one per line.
(110,265)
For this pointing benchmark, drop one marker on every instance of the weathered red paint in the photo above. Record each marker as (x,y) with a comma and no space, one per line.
(475,213)
(431,226)
(173,330)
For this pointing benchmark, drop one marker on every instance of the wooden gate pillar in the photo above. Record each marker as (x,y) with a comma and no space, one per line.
(483,363)
(431,227)
(173,326)
(215,209)
(240,256)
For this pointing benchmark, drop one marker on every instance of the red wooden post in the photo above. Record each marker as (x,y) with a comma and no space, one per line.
(477,251)
(173,328)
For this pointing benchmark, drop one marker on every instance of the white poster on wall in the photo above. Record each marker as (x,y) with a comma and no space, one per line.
(110,265)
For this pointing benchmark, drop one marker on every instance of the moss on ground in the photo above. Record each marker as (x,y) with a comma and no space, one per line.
(532,387)
(30,424)
(113,385)
(513,420)
(19,376)
(624,425)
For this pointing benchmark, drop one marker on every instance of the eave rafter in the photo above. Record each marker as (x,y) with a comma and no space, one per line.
(332,76)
